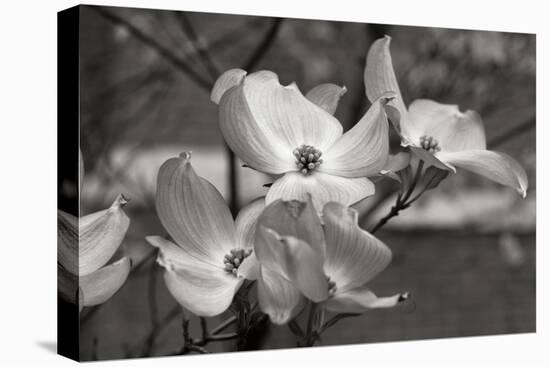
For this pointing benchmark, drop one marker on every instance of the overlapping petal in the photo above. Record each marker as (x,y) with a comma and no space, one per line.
(353,256)
(200,288)
(297,219)
(326,96)
(293,259)
(226,81)
(454,130)
(277,297)
(363,150)
(102,284)
(496,166)
(379,78)
(100,235)
(322,187)
(193,212)
(67,241)
(245,222)
(361,299)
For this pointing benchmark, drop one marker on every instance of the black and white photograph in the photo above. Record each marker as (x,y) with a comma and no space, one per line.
(245,183)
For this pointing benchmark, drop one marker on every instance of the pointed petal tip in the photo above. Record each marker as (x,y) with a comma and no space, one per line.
(403,297)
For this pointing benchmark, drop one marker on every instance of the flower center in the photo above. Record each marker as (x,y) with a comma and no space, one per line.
(429,143)
(234,259)
(308,158)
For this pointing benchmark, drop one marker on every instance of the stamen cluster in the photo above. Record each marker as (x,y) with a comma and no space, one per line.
(234,259)
(430,144)
(308,158)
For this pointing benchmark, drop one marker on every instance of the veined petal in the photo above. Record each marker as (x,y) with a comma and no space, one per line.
(361,299)
(67,241)
(453,130)
(496,166)
(245,222)
(295,260)
(380,78)
(245,136)
(278,298)
(354,256)
(102,284)
(326,96)
(202,288)
(322,187)
(363,150)
(193,212)
(226,81)
(100,235)
(285,115)
(295,218)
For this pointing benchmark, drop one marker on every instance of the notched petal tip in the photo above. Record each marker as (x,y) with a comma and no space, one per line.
(120,201)
(186,155)
(226,81)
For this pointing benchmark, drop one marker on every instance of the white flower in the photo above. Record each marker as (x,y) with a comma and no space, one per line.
(277,130)
(437,133)
(209,255)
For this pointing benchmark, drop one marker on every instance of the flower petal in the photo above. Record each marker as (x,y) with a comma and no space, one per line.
(363,150)
(453,130)
(326,96)
(200,287)
(250,267)
(285,115)
(278,298)
(246,138)
(67,241)
(496,166)
(380,78)
(102,284)
(429,158)
(100,235)
(193,212)
(361,299)
(295,260)
(226,81)
(397,162)
(322,187)
(245,222)
(297,219)
(354,256)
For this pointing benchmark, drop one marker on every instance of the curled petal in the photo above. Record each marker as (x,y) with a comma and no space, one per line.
(379,78)
(295,260)
(246,137)
(453,130)
(226,81)
(193,212)
(250,267)
(101,234)
(102,284)
(285,115)
(361,299)
(245,223)
(496,166)
(202,289)
(363,150)
(295,218)
(354,256)
(278,298)
(326,96)
(67,241)
(322,187)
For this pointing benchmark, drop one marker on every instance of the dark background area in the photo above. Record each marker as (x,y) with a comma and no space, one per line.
(466,251)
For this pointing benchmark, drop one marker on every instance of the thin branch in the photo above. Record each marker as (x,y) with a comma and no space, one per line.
(154,44)
(512,133)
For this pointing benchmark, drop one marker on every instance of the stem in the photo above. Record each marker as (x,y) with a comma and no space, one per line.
(310,337)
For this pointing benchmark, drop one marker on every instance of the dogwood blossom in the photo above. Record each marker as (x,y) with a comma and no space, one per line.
(439,134)
(208,255)
(277,130)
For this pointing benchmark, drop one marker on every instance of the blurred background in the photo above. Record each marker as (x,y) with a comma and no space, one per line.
(465,251)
